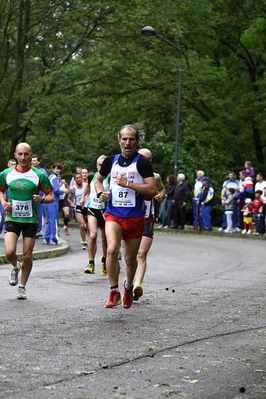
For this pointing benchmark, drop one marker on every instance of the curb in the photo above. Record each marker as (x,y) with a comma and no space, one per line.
(51,252)
(209,233)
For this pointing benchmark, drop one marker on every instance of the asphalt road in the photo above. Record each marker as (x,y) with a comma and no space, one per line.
(198,332)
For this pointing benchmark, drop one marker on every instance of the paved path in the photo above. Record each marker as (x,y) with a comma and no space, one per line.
(198,332)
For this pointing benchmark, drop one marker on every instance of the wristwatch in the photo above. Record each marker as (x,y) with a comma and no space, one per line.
(99,193)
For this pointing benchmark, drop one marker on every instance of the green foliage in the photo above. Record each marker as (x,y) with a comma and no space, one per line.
(73,73)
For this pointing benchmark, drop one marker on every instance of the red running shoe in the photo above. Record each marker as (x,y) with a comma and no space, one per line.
(127,299)
(114,299)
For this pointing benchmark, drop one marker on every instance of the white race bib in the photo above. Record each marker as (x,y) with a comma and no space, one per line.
(147,209)
(21,209)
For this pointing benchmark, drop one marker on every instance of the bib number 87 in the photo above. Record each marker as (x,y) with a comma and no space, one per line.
(122,194)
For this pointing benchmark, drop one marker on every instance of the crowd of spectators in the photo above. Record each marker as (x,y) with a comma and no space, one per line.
(243,201)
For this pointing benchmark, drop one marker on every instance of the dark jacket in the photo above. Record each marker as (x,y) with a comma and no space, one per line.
(207,195)
(181,192)
(169,190)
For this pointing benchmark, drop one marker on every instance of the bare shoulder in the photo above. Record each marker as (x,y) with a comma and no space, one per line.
(158,181)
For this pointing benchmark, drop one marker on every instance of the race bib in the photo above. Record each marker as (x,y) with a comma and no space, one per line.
(97,204)
(147,209)
(21,209)
(123,197)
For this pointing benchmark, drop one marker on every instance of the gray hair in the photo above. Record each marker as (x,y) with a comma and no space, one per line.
(181,175)
(100,157)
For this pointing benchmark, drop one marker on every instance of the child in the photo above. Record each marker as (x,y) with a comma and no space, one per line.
(258,212)
(250,170)
(229,209)
(247,216)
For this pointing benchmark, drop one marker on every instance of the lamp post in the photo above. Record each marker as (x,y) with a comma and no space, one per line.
(149,31)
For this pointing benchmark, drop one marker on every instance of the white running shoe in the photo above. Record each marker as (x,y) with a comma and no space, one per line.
(21,293)
(244,231)
(249,232)
(51,242)
(13,277)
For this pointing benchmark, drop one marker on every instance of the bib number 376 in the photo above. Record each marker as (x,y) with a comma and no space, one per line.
(21,209)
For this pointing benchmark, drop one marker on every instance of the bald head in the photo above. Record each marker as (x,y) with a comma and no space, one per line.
(147,153)
(23,155)
(24,147)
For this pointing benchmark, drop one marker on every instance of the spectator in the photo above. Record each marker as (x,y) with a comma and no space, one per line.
(179,202)
(229,209)
(245,190)
(166,213)
(195,201)
(206,201)
(261,183)
(230,183)
(247,212)
(250,170)
(258,213)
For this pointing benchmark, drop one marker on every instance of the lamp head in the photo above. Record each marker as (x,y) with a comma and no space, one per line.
(148,31)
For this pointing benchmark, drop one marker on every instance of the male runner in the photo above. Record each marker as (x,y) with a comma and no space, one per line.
(131,179)
(147,236)
(35,161)
(95,217)
(24,184)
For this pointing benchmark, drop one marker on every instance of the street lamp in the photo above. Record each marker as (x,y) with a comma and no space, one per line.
(149,31)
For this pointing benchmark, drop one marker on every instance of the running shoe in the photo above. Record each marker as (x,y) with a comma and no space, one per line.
(51,242)
(137,291)
(13,277)
(84,245)
(45,242)
(127,299)
(39,235)
(65,228)
(103,267)
(114,299)
(89,269)
(21,293)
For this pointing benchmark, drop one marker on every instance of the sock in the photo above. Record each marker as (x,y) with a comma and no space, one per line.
(137,283)
(103,259)
(21,286)
(128,286)
(114,287)
(91,262)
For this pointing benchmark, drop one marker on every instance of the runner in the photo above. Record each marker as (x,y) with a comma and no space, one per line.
(51,234)
(131,179)
(35,161)
(81,212)
(147,237)
(95,220)
(24,184)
